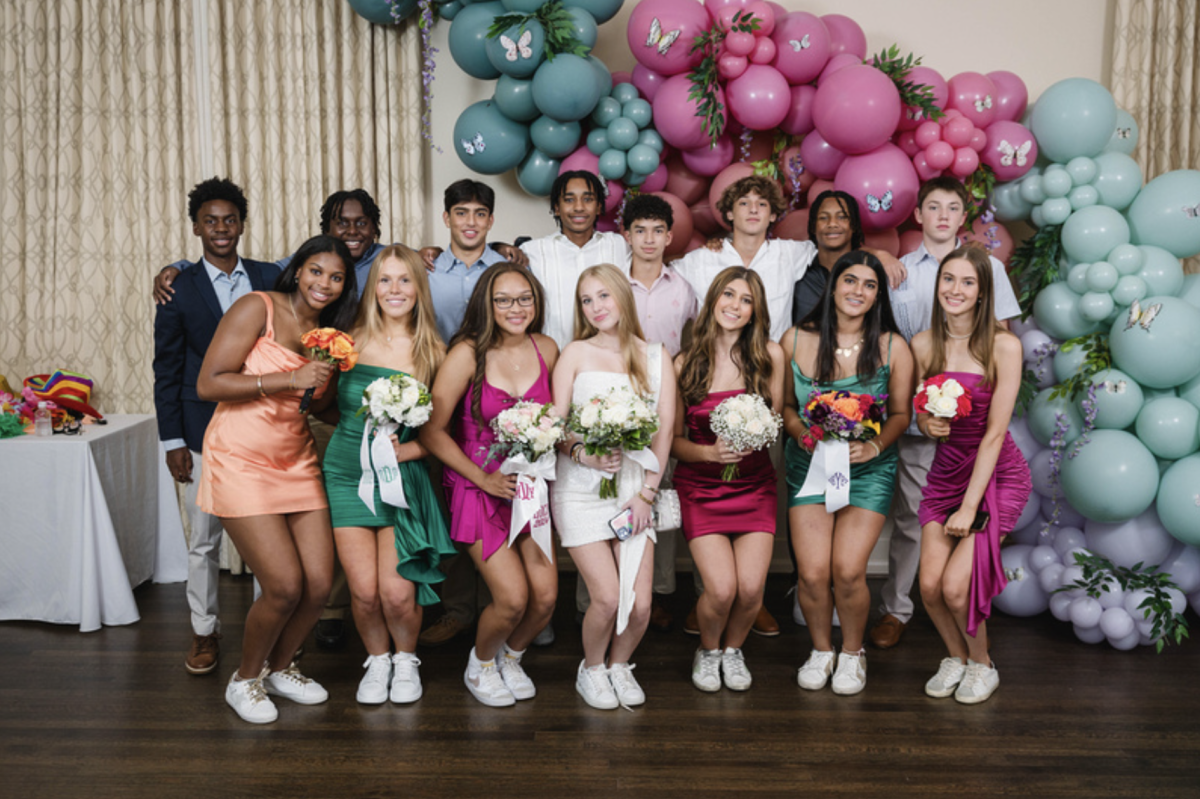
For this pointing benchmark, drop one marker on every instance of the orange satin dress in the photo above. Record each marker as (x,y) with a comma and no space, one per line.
(259,455)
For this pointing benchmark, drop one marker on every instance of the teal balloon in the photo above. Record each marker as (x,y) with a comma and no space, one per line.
(642,159)
(634,179)
(523,6)
(1036,218)
(1056,210)
(448,11)
(1163,355)
(1119,399)
(1170,428)
(1056,309)
(1096,306)
(1074,117)
(607,109)
(1113,477)
(625,92)
(468,40)
(601,10)
(1056,182)
(1102,276)
(583,26)
(537,172)
(1031,190)
(602,74)
(1010,206)
(597,141)
(1127,258)
(638,110)
(514,98)
(1118,180)
(1128,289)
(1166,213)
(510,57)
(1190,391)
(1091,233)
(1125,135)
(379,12)
(1190,292)
(622,133)
(1083,196)
(565,88)
(1082,170)
(504,141)
(612,164)
(1077,278)
(1161,270)
(1177,507)
(1158,393)
(555,139)
(1068,362)
(1043,417)
(651,139)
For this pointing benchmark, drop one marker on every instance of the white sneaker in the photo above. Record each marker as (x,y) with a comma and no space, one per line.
(291,684)
(483,680)
(509,663)
(373,687)
(949,674)
(249,700)
(594,686)
(979,683)
(734,671)
(816,670)
(798,612)
(851,674)
(545,637)
(706,670)
(406,680)
(625,685)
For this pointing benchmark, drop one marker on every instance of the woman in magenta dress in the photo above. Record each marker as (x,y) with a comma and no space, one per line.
(498,358)
(729,526)
(977,468)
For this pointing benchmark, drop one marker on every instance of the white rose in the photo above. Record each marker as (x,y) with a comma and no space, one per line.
(614,416)
(590,416)
(952,389)
(754,427)
(945,407)
(410,396)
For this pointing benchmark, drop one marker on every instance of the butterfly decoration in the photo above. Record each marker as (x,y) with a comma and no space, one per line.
(1124,133)
(473,146)
(1139,317)
(877,204)
(662,40)
(518,48)
(800,44)
(1014,153)
(1115,386)
(1014,575)
(986,102)
(1192,211)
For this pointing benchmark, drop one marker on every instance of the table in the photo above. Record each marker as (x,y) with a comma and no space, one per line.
(84,519)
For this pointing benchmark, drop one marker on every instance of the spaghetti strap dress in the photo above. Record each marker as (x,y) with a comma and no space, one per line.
(1004,499)
(476,515)
(871,483)
(421,537)
(708,504)
(259,455)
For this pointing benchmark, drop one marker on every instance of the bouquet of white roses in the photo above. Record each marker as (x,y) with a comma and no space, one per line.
(400,398)
(389,402)
(528,429)
(620,419)
(744,422)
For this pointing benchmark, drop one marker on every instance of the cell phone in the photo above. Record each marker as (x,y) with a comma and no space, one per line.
(981,519)
(622,524)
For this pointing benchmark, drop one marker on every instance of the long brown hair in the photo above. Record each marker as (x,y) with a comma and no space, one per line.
(427,347)
(984,327)
(629,329)
(749,353)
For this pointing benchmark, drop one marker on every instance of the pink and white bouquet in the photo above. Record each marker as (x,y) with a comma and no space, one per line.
(744,422)
(528,429)
(620,419)
(390,403)
(525,437)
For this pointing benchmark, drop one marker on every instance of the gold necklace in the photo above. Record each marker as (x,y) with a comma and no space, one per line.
(848,351)
(957,338)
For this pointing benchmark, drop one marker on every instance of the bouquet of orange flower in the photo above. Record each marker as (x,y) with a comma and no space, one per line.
(842,415)
(330,345)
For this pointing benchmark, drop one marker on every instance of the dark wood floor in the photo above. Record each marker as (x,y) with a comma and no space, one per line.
(113,713)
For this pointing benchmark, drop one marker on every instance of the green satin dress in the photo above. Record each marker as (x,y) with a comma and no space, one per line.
(421,536)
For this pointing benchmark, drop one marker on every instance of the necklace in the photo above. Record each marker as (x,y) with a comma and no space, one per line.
(848,351)
(957,338)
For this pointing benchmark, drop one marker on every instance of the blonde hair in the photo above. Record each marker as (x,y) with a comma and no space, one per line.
(629,329)
(984,327)
(428,350)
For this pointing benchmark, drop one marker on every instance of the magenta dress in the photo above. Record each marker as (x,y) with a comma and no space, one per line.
(707,504)
(474,514)
(1005,496)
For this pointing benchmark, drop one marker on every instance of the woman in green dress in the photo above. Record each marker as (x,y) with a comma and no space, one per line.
(847,343)
(390,554)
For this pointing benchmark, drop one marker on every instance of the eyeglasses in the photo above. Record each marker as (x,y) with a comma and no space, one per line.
(504,303)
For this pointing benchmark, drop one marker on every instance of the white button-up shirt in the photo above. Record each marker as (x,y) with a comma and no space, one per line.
(557,262)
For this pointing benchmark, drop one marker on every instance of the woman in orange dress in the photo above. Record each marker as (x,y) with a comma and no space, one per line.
(261,474)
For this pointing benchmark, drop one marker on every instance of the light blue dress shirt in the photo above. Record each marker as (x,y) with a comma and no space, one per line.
(451,284)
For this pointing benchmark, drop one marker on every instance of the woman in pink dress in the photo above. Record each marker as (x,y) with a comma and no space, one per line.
(498,357)
(729,526)
(977,469)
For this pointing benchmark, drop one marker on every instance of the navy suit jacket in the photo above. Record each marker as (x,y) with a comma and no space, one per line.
(183,329)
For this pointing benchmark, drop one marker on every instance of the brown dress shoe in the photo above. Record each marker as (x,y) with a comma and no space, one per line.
(441,631)
(202,657)
(886,634)
(765,624)
(691,625)
(660,618)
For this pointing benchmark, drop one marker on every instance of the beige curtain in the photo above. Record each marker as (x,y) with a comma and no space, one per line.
(107,124)
(1156,78)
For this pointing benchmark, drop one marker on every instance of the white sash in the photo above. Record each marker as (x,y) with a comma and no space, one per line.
(629,562)
(829,474)
(531,503)
(378,459)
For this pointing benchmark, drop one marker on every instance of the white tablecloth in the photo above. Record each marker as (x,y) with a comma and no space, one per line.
(83,520)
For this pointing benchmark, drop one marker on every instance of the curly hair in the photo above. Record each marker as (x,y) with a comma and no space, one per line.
(216,189)
(333,207)
(764,187)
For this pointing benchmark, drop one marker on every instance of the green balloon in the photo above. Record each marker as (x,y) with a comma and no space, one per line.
(1031,189)
(537,172)
(1169,427)
(1096,306)
(448,11)
(1118,399)
(1165,213)
(1127,258)
(638,110)
(566,88)
(1161,270)
(606,111)
(468,39)
(1091,233)
(555,139)
(1056,182)
(624,92)
(1113,477)
(1010,206)
(514,98)
(1118,180)
(583,25)
(1125,134)
(1083,196)
(487,141)
(1190,391)
(1157,344)
(602,74)
(1190,293)
(1177,507)
(642,159)
(1073,117)
(1068,362)
(612,164)
(1043,417)
(651,139)
(1056,309)
(597,141)
(622,133)
(601,10)
(1102,276)
(1056,210)
(379,12)
(1082,170)
(525,58)
(1128,289)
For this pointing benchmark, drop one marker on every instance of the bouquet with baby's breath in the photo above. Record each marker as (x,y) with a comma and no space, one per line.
(744,422)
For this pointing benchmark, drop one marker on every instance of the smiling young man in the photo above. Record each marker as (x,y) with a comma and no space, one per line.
(469,206)
(941,211)
(834,226)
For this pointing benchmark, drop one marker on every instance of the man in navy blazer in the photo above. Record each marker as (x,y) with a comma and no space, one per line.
(183,330)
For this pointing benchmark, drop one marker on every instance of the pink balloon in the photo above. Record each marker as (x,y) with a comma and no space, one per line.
(765,16)
(739,43)
(949,114)
(683,182)
(677,117)
(887,240)
(883,182)
(647,81)
(1012,96)
(728,176)
(681,230)
(656,181)
(622,77)
(707,160)
(978,139)
(724,17)
(906,140)
(975,96)
(685,16)
(818,188)
(801,46)
(924,170)
(837,63)
(780,11)
(910,240)
(760,98)
(580,159)
(845,36)
(926,77)
(793,225)
(927,133)
(1011,150)
(799,121)
(994,236)
(732,66)
(857,109)
(704,220)
(966,161)
(764,51)
(612,199)
(606,224)
(939,155)
(820,157)
(957,132)
(697,241)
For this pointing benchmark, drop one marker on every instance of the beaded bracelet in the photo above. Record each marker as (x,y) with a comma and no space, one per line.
(642,497)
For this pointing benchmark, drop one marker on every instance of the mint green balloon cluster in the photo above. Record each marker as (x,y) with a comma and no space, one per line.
(628,148)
